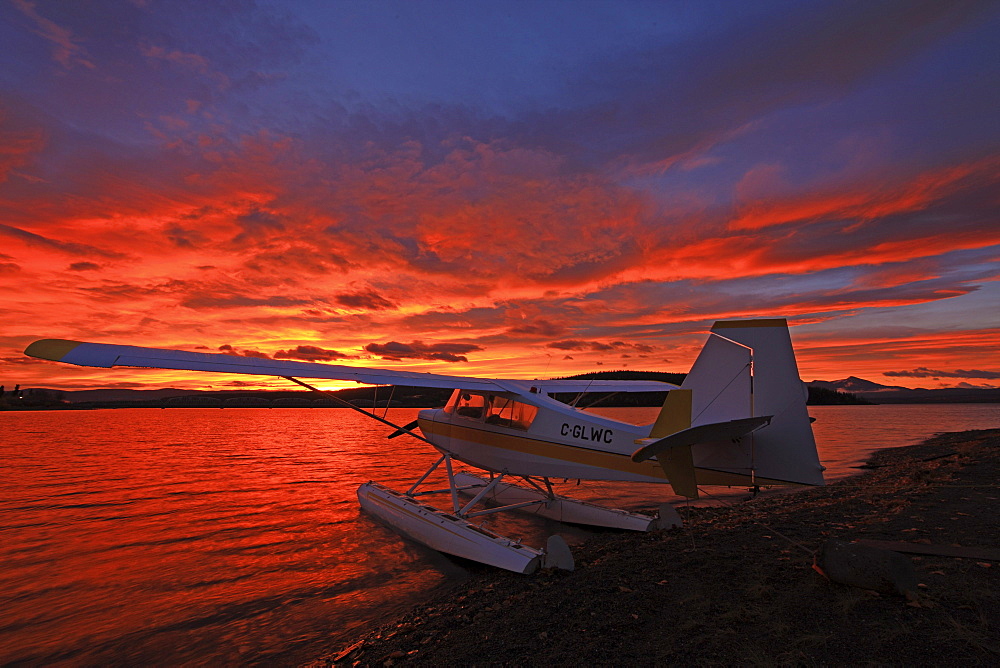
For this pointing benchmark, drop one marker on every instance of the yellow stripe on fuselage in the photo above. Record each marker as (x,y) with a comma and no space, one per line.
(580,455)
(532,446)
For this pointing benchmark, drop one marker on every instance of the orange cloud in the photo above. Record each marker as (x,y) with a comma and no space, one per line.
(873,356)
(867,204)
(269,245)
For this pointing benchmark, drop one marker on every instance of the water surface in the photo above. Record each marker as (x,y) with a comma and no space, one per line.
(148,536)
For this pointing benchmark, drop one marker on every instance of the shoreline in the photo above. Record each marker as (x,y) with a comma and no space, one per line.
(736,584)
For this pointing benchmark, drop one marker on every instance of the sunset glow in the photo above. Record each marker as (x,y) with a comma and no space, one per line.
(501,189)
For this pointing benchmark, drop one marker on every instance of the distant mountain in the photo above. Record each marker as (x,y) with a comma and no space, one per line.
(824,396)
(854,384)
(892,394)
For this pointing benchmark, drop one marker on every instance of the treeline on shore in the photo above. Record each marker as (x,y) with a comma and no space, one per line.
(362,397)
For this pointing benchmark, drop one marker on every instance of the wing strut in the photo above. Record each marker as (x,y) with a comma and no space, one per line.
(347,404)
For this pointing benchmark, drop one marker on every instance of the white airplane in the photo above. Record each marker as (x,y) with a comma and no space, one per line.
(739,418)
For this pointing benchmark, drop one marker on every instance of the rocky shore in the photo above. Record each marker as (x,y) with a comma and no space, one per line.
(736,585)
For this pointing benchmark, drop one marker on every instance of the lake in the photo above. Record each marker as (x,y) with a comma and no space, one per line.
(147,536)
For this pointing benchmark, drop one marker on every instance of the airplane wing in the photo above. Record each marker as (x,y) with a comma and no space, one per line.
(107,355)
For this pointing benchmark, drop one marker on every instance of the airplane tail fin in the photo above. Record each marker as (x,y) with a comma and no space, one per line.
(747,369)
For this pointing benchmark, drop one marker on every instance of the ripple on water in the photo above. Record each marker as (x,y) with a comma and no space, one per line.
(197,535)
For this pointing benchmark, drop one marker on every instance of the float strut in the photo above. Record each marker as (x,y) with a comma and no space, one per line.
(486,490)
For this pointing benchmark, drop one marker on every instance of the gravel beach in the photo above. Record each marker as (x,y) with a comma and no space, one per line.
(736,585)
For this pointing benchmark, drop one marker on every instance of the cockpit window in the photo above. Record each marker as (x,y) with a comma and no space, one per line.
(468,405)
(496,409)
(507,412)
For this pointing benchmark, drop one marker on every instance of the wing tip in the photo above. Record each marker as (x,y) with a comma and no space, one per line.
(51,349)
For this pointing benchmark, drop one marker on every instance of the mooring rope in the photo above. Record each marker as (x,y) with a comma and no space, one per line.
(757,521)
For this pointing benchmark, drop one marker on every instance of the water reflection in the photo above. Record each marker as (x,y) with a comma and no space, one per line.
(221,536)
(201,534)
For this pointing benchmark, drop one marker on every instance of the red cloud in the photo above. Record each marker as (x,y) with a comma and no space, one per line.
(230,350)
(538,327)
(312,354)
(597,346)
(446,352)
(84,266)
(266,236)
(869,203)
(368,300)
(868,355)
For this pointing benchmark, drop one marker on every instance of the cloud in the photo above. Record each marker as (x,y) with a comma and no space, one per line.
(658,104)
(230,350)
(191,61)
(540,327)
(84,266)
(769,161)
(212,301)
(68,247)
(20,360)
(922,372)
(257,223)
(598,346)
(312,354)
(367,300)
(299,257)
(20,141)
(871,203)
(569,344)
(970,386)
(184,237)
(486,210)
(446,352)
(66,51)
(868,350)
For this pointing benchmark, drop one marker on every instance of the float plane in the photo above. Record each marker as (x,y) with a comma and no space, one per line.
(738,418)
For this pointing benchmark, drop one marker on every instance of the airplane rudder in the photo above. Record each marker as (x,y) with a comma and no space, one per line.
(748,368)
(770,345)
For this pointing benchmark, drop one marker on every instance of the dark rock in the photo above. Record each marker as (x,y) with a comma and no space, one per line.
(867,567)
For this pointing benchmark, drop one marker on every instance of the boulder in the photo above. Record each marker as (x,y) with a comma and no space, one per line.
(866,567)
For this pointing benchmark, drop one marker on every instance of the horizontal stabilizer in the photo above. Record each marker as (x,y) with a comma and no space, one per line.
(705,433)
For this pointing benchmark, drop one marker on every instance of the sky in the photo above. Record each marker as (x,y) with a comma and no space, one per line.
(509,189)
